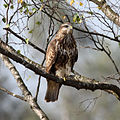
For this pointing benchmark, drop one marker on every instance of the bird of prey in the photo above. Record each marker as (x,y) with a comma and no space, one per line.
(61,56)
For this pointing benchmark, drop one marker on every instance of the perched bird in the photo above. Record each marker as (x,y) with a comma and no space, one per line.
(61,56)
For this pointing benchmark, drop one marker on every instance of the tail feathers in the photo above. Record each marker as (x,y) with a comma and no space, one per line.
(52,91)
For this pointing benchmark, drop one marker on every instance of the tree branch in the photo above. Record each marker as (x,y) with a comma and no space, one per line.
(82,30)
(27,95)
(76,81)
(30,43)
(106,9)
(12,94)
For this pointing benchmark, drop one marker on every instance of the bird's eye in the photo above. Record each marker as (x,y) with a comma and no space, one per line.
(66,26)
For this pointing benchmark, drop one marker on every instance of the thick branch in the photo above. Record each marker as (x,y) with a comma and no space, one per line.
(27,95)
(106,9)
(77,81)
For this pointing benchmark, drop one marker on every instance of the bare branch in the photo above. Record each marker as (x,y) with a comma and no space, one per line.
(102,48)
(82,30)
(76,81)
(27,95)
(30,43)
(10,93)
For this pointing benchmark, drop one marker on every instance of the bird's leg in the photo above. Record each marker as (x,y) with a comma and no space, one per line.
(64,78)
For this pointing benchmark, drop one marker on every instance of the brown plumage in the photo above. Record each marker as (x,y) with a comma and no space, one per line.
(61,56)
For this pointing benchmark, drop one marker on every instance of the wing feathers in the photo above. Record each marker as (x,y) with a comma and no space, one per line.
(51,55)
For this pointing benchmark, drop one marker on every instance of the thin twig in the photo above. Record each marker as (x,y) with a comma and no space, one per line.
(21,38)
(12,94)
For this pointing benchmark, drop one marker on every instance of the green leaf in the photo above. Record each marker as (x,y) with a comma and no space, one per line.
(31,31)
(38,22)
(30,13)
(26,11)
(75,17)
(18,51)
(41,0)
(7,26)
(12,7)
(4,20)
(11,1)
(21,10)
(33,10)
(118,36)
(27,40)
(78,19)
(5,5)
(90,12)
(24,4)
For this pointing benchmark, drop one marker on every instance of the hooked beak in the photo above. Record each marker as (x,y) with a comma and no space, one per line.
(70,29)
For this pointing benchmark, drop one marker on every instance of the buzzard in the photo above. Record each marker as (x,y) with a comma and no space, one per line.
(61,56)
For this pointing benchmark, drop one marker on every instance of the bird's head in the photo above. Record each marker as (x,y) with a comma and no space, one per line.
(66,28)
